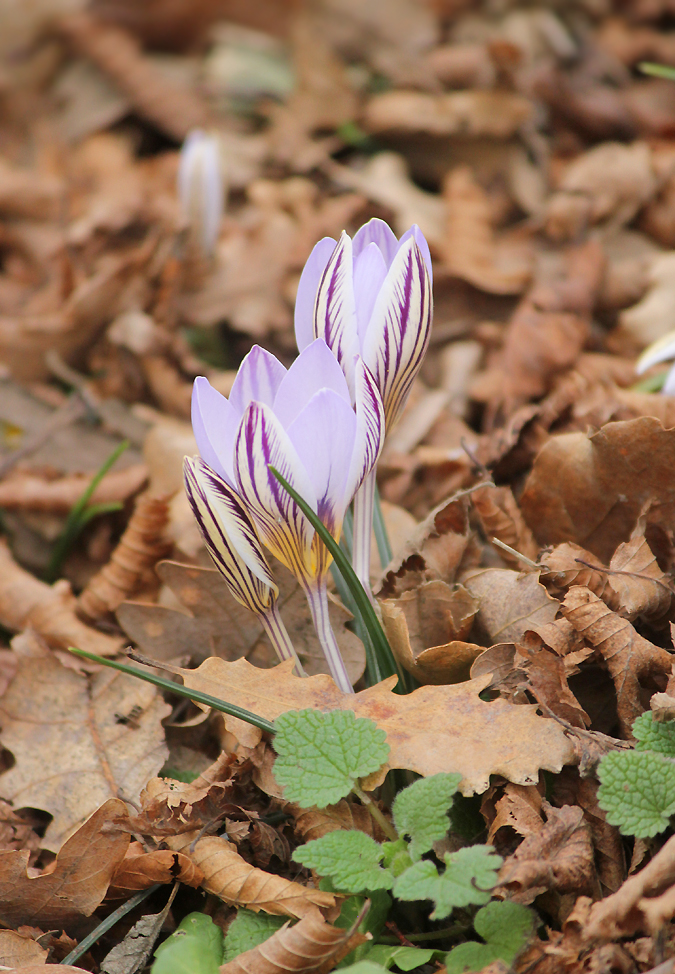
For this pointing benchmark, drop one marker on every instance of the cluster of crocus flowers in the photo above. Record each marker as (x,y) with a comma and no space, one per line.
(363,318)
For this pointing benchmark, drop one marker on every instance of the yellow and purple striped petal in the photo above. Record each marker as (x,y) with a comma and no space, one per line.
(308,285)
(370,429)
(215,424)
(335,308)
(230,536)
(400,326)
(262,442)
(258,377)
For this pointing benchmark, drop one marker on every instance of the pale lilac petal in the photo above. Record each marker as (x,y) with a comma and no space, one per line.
(259,376)
(370,429)
(377,232)
(399,329)
(308,285)
(421,242)
(315,368)
(669,384)
(215,424)
(370,271)
(262,442)
(323,435)
(230,536)
(335,309)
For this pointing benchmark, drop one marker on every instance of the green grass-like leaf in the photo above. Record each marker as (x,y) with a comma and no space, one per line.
(637,790)
(249,930)
(350,858)
(322,755)
(469,876)
(506,927)
(657,70)
(421,811)
(195,946)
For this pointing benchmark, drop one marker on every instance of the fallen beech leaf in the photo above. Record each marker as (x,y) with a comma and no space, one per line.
(433,729)
(559,857)
(501,518)
(610,478)
(139,870)
(238,883)
(633,662)
(494,113)
(78,882)
(471,251)
(23,491)
(547,677)
(221,626)
(313,823)
(509,603)
(309,945)
(643,589)
(652,317)
(20,951)
(519,809)
(562,570)
(26,602)
(71,744)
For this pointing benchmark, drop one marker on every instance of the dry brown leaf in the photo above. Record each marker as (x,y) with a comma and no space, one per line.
(221,626)
(310,945)
(139,870)
(547,677)
(501,518)
(610,478)
(138,550)
(77,883)
(519,809)
(633,662)
(509,603)
(26,602)
(238,883)
(25,491)
(29,193)
(559,857)
(471,251)
(643,589)
(433,729)
(652,317)
(498,114)
(313,823)
(563,569)
(17,950)
(72,740)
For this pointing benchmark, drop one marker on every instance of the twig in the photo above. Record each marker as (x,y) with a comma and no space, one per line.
(620,571)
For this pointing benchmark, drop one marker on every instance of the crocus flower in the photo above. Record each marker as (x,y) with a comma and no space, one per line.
(662,350)
(200,188)
(371,297)
(300,421)
(232,541)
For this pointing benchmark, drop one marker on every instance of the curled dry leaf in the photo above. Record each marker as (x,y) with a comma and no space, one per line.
(140,547)
(28,492)
(509,603)
(563,569)
(643,590)
(313,823)
(238,883)
(26,602)
(633,662)
(652,317)
(498,114)
(77,883)
(17,950)
(73,742)
(501,518)
(471,250)
(519,809)
(433,729)
(547,679)
(591,489)
(310,945)
(426,627)
(139,870)
(558,857)
(221,626)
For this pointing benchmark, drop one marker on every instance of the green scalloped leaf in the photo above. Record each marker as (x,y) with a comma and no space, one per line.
(506,927)
(637,790)
(350,858)
(652,735)
(421,811)
(196,946)
(469,876)
(248,930)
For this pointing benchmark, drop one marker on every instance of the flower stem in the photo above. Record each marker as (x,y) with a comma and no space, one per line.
(317,597)
(364,502)
(376,814)
(274,626)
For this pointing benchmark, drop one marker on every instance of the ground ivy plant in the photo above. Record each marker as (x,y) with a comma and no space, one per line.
(322,758)
(637,788)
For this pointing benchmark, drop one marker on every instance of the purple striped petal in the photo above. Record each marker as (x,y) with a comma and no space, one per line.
(323,436)
(377,232)
(370,271)
(308,285)
(335,308)
(215,425)
(230,536)
(314,369)
(370,429)
(421,242)
(399,329)
(261,442)
(259,376)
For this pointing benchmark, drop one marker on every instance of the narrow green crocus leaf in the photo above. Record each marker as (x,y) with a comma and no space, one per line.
(196,695)
(385,657)
(657,70)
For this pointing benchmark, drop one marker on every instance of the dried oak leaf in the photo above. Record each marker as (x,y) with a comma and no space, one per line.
(426,627)
(547,678)
(558,857)
(310,945)
(509,603)
(501,518)
(591,489)
(17,950)
(228,876)
(498,114)
(220,626)
(72,747)
(643,590)
(562,570)
(433,729)
(519,809)
(139,870)
(77,883)
(633,662)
